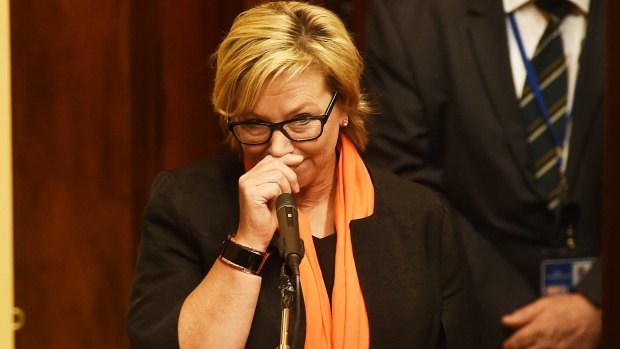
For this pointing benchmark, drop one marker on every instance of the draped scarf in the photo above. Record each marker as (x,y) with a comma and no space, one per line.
(344,323)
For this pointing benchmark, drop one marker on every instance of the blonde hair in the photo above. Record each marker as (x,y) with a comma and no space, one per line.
(286,39)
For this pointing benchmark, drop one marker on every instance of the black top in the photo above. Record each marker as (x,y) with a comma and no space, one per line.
(410,264)
(326,253)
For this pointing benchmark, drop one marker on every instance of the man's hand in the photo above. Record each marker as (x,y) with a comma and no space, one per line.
(565,321)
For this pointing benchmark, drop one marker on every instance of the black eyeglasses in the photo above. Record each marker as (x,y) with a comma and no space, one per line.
(298,129)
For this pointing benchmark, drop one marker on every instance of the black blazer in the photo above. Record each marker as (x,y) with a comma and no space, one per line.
(411,265)
(450,119)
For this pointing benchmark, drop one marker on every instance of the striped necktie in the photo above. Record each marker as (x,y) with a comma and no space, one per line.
(549,64)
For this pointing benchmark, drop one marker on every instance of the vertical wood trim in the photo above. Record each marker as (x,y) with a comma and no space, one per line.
(611,182)
(6,184)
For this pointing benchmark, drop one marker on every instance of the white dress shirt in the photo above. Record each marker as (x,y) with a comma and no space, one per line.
(532,24)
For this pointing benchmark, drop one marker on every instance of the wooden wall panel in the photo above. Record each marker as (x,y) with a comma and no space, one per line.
(191,33)
(171,79)
(72,161)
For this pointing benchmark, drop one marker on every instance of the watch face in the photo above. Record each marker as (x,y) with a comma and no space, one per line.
(242,258)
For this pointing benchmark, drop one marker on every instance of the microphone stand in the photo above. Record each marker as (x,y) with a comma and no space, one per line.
(287,296)
(292,251)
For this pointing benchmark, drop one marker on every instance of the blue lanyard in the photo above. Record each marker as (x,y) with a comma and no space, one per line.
(540,101)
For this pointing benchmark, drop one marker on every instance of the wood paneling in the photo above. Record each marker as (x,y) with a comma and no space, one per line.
(171,79)
(105,94)
(611,183)
(72,161)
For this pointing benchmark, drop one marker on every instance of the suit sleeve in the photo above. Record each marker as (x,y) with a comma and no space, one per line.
(591,287)
(461,316)
(167,270)
(403,133)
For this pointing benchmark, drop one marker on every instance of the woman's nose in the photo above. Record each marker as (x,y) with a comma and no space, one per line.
(279,145)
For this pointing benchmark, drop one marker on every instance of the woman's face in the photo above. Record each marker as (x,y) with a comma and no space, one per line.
(284,99)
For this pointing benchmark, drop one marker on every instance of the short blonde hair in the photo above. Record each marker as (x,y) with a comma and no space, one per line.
(286,39)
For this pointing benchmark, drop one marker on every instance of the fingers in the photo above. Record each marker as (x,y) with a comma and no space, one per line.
(522,316)
(525,320)
(521,319)
(567,321)
(265,186)
(276,171)
(523,338)
(258,189)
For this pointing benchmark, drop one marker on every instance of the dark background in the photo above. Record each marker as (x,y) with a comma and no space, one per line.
(107,93)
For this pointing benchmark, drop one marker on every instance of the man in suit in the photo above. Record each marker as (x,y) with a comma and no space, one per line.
(450,78)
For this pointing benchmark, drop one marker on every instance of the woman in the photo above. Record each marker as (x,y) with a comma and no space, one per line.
(381,267)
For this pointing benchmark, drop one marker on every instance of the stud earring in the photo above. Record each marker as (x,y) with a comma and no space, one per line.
(345,122)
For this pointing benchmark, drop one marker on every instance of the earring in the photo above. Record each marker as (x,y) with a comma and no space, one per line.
(345,122)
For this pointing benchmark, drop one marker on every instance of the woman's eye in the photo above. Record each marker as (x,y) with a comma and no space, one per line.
(254,127)
(300,122)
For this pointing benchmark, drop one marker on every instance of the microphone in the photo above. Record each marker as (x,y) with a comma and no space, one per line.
(291,247)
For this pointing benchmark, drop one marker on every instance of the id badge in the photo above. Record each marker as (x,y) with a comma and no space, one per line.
(560,276)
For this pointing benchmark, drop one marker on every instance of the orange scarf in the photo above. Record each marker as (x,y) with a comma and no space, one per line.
(346,324)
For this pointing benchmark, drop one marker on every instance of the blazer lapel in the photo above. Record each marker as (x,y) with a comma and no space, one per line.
(487,33)
(587,108)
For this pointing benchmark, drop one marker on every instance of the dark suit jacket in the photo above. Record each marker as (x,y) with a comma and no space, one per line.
(411,265)
(450,119)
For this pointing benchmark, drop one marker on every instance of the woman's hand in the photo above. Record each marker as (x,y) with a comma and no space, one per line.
(258,189)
